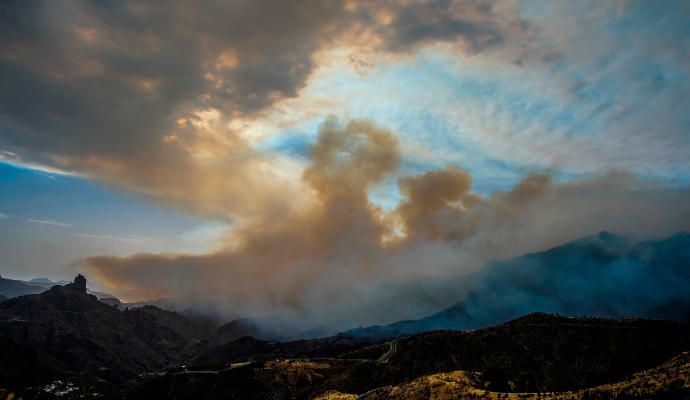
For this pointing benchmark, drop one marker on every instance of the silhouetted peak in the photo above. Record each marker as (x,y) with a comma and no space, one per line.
(79,284)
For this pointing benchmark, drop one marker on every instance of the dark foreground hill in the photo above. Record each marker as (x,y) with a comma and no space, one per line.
(539,352)
(669,381)
(542,352)
(65,332)
(603,275)
(64,343)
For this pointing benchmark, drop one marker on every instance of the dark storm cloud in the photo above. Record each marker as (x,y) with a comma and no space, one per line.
(122,91)
(477,23)
(82,77)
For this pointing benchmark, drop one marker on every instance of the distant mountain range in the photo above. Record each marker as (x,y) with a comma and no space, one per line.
(602,275)
(10,288)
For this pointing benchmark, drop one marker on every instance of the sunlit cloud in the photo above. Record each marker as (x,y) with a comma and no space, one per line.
(11,158)
(126,239)
(50,222)
(206,237)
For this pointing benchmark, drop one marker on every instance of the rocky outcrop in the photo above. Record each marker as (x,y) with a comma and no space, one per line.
(79,284)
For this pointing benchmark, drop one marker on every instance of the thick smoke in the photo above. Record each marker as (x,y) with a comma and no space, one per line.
(336,260)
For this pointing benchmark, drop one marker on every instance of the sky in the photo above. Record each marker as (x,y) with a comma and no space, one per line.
(290,157)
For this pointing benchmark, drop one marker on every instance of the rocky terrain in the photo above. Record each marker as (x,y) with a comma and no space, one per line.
(64,343)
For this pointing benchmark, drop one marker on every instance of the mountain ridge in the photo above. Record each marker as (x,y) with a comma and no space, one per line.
(67,334)
(570,279)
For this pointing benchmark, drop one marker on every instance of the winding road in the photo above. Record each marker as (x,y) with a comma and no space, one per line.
(383,359)
(392,348)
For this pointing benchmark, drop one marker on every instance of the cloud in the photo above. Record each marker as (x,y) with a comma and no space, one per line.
(148,96)
(205,237)
(341,255)
(568,93)
(162,99)
(126,239)
(4,216)
(478,25)
(119,92)
(50,222)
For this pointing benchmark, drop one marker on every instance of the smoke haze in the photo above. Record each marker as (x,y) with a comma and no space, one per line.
(338,259)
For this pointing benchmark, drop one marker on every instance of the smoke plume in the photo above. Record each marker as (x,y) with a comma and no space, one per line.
(334,259)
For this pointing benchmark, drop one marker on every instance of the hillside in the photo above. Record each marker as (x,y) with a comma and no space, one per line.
(544,352)
(603,275)
(65,332)
(670,380)
(539,352)
(67,335)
